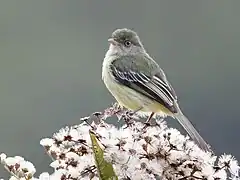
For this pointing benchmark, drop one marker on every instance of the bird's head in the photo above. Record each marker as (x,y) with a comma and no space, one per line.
(125,42)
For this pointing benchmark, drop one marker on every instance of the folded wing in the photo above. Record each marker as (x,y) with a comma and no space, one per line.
(154,87)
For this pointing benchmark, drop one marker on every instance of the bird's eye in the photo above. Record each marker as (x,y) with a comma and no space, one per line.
(127,43)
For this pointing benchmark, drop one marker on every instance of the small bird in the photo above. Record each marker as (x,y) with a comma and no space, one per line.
(138,83)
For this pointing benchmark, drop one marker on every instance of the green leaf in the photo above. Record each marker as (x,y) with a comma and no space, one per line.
(105,169)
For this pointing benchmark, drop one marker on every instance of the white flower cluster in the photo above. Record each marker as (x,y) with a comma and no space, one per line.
(137,152)
(18,167)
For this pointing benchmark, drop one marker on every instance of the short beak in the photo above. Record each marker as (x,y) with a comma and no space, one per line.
(112,41)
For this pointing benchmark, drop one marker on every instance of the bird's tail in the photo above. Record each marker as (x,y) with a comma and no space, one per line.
(187,125)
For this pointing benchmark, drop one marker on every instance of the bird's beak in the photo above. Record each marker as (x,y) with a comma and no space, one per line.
(113,41)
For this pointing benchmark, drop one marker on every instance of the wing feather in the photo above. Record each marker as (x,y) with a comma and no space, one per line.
(152,87)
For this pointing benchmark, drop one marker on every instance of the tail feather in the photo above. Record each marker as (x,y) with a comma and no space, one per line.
(187,125)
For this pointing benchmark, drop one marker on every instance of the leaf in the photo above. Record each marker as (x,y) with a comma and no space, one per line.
(105,169)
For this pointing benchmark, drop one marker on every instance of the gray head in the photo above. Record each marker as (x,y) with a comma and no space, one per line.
(125,42)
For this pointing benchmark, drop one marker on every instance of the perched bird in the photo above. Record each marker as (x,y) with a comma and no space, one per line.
(139,84)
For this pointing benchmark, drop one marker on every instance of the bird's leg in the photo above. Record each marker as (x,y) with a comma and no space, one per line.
(149,119)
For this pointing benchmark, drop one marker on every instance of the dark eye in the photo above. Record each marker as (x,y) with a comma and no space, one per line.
(127,43)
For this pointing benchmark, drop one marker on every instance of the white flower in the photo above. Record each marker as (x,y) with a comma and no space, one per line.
(75,172)
(3,157)
(44,176)
(11,161)
(72,155)
(19,158)
(74,133)
(234,167)
(227,160)
(47,142)
(208,171)
(27,166)
(57,175)
(57,163)
(220,174)
(135,150)
(13,178)
(61,134)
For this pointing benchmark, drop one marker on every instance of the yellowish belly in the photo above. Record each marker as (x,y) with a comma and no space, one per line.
(132,99)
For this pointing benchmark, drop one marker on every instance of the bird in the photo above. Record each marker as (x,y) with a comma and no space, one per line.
(138,83)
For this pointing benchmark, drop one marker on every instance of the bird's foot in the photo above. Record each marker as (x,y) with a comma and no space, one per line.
(149,118)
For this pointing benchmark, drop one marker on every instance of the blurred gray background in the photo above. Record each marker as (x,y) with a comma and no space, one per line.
(51,53)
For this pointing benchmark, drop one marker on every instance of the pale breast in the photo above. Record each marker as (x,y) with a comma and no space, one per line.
(126,96)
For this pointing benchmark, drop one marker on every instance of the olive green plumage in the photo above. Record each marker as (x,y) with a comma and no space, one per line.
(138,83)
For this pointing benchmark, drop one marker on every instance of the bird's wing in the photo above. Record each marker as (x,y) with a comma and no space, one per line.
(149,81)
